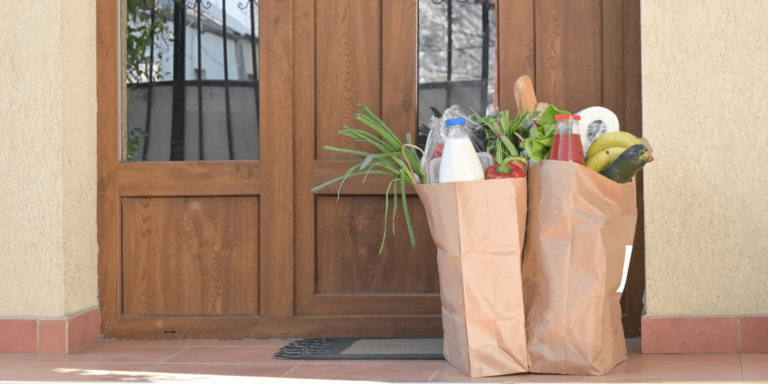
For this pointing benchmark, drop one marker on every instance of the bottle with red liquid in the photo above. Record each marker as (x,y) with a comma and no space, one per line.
(566,145)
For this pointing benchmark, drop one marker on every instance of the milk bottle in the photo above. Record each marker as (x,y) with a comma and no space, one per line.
(459,161)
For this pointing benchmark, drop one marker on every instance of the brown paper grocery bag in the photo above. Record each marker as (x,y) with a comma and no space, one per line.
(479,227)
(579,226)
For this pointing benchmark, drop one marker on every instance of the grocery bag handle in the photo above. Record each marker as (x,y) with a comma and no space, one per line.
(426,170)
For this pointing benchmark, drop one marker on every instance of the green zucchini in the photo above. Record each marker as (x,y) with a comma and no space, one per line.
(627,164)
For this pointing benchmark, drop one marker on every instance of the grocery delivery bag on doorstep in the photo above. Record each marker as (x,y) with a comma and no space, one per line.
(479,227)
(581,227)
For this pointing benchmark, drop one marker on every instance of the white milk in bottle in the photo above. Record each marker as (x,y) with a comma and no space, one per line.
(459,161)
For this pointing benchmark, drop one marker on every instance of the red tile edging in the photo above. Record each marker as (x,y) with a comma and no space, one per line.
(18,336)
(705,334)
(49,336)
(754,334)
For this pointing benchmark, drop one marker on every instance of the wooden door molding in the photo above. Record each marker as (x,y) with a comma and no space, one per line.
(253,327)
(108,90)
(203,178)
(277,223)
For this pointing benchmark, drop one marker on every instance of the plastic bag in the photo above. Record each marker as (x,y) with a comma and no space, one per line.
(438,132)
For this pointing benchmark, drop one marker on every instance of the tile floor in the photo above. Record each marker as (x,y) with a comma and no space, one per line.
(201,361)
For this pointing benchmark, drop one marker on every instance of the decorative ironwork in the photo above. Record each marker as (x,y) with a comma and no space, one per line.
(195,4)
(459,1)
(247,3)
(179,83)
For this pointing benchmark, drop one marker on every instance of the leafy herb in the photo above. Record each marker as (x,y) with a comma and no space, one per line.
(502,133)
(391,161)
(539,139)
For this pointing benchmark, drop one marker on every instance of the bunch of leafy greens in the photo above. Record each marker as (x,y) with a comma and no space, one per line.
(391,161)
(502,132)
(539,139)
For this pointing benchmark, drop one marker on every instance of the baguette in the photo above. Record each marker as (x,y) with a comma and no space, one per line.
(525,96)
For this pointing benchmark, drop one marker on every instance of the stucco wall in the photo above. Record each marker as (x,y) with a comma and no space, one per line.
(48,250)
(705,107)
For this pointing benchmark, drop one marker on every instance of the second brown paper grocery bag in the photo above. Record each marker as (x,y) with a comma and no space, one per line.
(479,227)
(580,225)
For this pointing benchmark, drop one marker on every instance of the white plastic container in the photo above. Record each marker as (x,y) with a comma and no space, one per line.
(460,161)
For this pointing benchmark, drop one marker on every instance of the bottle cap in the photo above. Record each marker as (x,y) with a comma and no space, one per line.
(456,121)
(567,117)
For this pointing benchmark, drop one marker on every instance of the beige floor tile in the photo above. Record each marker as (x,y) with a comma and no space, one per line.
(247,355)
(73,371)
(148,343)
(672,367)
(448,373)
(755,366)
(371,371)
(104,353)
(261,370)
(11,359)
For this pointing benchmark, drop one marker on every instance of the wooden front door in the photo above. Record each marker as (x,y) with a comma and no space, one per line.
(242,249)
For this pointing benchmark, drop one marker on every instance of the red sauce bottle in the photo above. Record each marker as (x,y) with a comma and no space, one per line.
(566,145)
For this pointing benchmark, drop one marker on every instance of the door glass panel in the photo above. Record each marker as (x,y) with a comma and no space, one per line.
(192,80)
(457,57)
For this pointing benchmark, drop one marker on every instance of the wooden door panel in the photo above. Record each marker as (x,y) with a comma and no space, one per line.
(191,256)
(203,178)
(348,39)
(568,53)
(349,236)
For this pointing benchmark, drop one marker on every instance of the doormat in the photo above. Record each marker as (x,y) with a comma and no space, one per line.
(353,348)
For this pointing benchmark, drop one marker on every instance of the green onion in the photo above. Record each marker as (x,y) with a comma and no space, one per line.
(391,160)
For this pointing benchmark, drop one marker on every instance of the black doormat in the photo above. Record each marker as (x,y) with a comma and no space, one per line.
(353,348)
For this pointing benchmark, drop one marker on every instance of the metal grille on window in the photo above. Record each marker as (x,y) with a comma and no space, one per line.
(457,57)
(193,80)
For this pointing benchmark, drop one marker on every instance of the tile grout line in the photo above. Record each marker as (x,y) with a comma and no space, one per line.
(438,371)
(18,362)
(741,366)
(161,361)
(291,370)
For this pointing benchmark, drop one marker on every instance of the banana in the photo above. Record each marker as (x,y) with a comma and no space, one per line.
(602,159)
(612,139)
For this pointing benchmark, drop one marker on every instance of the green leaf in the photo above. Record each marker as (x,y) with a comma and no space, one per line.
(533,132)
(327,183)
(548,117)
(510,147)
(386,210)
(545,142)
(529,147)
(549,130)
(394,211)
(407,215)
(537,151)
(344,150)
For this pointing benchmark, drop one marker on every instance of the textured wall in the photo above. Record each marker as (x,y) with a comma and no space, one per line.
(705,108)
(48,250)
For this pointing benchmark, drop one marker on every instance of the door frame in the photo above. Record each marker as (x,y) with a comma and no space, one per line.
(288,305)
